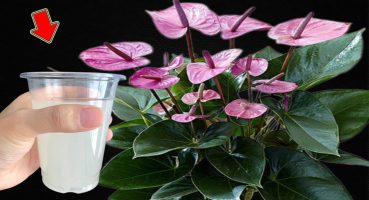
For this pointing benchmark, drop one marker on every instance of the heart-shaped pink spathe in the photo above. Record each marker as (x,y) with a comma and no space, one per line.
(103,58)
(258,66)
(199,17)
(187,116)
(201,72)
(316,31)
(275,87)
(158,109)
(174,64)
(152,78)
(241,108)
(247,26)
(192,97)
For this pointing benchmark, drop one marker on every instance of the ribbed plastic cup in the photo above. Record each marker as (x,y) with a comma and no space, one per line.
(71,162)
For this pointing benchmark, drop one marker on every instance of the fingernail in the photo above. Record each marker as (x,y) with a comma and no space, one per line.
(91,117)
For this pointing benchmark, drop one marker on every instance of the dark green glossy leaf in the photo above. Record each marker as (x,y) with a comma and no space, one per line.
(169,135)
(295,176)
(125,173)
(314,64)
(278,138)
(142,194)
(350,109)
(344,159)
(125,133)
(132,103)
(244,164)
(214,185)
(267,53)
(175,189)
(183,86)
(230,86)
(309,122)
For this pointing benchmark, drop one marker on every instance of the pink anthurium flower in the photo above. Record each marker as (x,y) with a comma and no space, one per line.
(152,78)
(187,116)
(174,21)
(241,108)
(274,86)
(117,56)
(257,66)
(215,65)
(158,109)
(307,31)
(174,64)
(192,97)
(233,26)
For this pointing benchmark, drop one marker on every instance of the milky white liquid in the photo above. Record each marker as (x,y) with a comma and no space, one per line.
(71,162)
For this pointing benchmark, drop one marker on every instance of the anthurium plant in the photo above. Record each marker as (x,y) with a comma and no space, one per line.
(227,126)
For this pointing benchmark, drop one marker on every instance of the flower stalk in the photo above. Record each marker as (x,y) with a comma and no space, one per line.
(249,81)
(176,107)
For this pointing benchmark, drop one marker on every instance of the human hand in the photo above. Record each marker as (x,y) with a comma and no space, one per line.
(19,126)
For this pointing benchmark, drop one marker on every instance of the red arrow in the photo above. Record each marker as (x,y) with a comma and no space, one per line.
(44,29)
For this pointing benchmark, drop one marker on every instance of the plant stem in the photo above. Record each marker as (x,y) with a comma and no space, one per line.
(249,85)
(161,103)
(232,43)
(219,87)
(287,59)
(176,107)
(190,45)
(249,193)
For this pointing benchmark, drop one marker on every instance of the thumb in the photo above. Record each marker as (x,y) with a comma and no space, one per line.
(62,118)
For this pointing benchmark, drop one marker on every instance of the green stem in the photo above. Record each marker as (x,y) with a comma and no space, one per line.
(176,107)
(249,85)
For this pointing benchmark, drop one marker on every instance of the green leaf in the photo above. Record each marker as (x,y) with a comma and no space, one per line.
(132,103)
(278,138)
(125,173)
(131,194)
(175,189)
(244,164)
(345,158)
(169,135)
(267,53)
(230,85)
(295,176)
(350,109)
(183,86)
(309,122)
(312,65)
(214,185)
(315,64)
(125,133)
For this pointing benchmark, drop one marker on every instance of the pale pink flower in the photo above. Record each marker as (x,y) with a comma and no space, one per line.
(158,109)
(174,21)
(117,56)
(192,97)
(215,65)
(257,66)
(276,86)
(233,26)
(187,116)
(241,108)
(174,64)
(152,78)
(307,31)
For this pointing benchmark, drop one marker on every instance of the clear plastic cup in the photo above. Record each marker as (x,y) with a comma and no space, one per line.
(72,162)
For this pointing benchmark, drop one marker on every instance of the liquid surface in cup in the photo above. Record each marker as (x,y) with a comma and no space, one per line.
(71,162)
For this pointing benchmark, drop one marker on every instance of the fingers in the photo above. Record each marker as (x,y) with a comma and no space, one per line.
(61,118)
(21,102)
(109,135)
